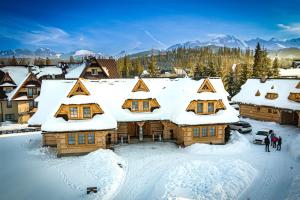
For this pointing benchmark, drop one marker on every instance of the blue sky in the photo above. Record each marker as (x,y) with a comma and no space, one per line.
(113,26)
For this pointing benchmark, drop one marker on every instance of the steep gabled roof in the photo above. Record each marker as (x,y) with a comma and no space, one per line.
(7,79)
(14,93)
(111,66)
(282,87)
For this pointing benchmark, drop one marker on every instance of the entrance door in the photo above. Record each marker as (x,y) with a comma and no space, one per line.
(289,117)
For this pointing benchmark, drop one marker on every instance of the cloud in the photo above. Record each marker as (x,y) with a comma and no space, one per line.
(155,39)
(215,35)
(293,28)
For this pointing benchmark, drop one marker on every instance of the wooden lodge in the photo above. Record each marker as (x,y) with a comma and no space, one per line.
(275,100)
(93,114)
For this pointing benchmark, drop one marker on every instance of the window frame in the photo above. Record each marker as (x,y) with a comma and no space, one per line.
(71,115)
(148,105)
(200,103)
(202,132)
(214,133)
(84,114)
(133,106)
(84,140)
(213,107)
(68,138)
(197,132)
(88,138)
(9,104)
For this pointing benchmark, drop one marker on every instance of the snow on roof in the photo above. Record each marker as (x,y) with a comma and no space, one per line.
(12,93)
(7,85)
(282,87)
(173,95)
(290,72)
(17,73)
(52,93)
(75,71)
(46,70)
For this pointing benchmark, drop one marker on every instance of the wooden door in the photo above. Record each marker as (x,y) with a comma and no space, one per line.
(133,129)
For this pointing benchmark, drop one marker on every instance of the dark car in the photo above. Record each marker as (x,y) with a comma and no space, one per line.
(241,126)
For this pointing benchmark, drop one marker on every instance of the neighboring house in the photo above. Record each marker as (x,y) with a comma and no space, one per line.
(80,116)
(275,100)
(47,72)
(94,69)
(296,64)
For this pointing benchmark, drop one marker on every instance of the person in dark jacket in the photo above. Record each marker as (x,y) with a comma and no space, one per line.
(279,143)
(267,143)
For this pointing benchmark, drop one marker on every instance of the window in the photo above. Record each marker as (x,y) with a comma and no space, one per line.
(31,92)
(212,131)
(73,112)
(71,138)
(204,132)
(9,104)
(9,117)
(196,132)
(211,107)
(269,110)
(31,105)
(199,107)
(91,138)
(258,109)
(35,104)
(86,112)
(94,72)
(81,138)
(135,105)
(145,105)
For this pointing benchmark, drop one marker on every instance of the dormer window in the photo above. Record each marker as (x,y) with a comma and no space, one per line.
(145,105)
(211,107)
(31,92)
(86,112)
(199,107)
(73,112)
(271,96)
(294,97)
(135,105)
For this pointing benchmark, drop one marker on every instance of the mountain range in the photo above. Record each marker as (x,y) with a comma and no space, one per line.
(273,45)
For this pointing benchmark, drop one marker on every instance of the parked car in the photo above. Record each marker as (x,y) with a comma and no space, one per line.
(259,137)
(241,126)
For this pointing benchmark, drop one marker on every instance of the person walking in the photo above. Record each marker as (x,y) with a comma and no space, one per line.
(272,135)
(279,143)
(267,143)
(274,141)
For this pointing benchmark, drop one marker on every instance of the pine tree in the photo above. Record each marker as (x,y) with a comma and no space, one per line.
(198,71)
(275,67)
(230,83)
(257,65)
(243,76)
(13,61)
(152,67)
(48,61)
(71,59)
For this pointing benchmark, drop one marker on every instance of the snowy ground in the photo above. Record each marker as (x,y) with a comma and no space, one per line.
(238,170)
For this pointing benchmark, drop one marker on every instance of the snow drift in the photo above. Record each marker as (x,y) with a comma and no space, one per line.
(209,180)
(238,143)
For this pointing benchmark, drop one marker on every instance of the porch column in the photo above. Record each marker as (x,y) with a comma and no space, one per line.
(140,124)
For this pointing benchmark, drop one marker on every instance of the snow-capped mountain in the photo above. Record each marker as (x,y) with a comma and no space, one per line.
(221,41)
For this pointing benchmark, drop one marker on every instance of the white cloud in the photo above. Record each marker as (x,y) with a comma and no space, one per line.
(293,28)
(155,39)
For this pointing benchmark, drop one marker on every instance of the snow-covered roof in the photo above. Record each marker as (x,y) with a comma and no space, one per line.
(75,71)
(46,70)
(12,93)
(282,87)
(173,96)
(17,73)
(290,72)
(7,85)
